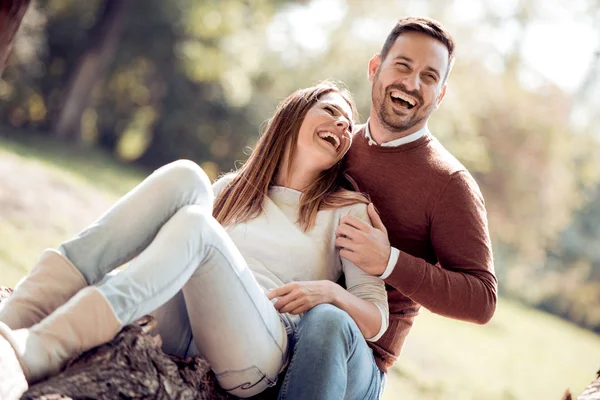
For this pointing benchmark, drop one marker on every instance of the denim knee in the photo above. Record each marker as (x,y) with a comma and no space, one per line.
(192,219)
(186,177)
(325,325)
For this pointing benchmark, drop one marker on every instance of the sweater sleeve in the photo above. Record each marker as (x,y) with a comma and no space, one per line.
(363,285)
(465,286)
(220,184)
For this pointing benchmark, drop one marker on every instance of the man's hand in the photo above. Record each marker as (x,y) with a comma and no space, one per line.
(368,247)
(299,297)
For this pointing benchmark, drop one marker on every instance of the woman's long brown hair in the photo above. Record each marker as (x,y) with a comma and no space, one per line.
(244,198)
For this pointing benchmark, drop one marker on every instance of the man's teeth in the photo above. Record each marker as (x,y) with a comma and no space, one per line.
(401,96)
(331,138)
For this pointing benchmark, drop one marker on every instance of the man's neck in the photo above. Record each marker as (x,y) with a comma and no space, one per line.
(381,134)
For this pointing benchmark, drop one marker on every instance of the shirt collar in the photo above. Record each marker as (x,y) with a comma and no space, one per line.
(397,142)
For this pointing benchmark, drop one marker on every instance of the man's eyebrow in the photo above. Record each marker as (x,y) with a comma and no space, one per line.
(403,58)
(435,71)
(408,59)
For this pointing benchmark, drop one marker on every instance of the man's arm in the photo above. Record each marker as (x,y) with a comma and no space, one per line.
(465,287)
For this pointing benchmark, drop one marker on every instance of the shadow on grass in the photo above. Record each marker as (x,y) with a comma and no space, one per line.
(87,164)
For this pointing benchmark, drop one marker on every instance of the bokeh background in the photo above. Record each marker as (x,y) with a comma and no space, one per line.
(98,93)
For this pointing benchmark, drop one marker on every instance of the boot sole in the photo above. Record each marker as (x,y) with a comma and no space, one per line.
(12,379)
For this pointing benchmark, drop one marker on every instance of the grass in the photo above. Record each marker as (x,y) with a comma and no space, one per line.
(49,192)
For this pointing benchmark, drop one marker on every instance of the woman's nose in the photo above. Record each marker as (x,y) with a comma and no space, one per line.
(342,123)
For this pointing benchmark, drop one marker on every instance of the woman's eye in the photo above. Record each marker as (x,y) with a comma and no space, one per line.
(329,110)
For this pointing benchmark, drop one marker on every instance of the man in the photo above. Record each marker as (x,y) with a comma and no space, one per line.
(436,251)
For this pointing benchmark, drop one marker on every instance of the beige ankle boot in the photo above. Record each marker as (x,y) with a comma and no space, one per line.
(85,321)
(49,284)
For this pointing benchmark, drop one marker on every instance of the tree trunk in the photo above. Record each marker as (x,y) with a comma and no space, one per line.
(11,15)
(91,68)
(131,366)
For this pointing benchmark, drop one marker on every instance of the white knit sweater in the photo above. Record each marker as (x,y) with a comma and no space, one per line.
(278,251)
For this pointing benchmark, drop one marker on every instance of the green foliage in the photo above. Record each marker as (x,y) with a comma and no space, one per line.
(195,79)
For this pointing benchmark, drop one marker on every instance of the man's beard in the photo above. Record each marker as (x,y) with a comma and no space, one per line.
(391,121)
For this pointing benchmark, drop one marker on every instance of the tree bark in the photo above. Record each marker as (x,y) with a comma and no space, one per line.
(131,366)
(11,15)
(91,68)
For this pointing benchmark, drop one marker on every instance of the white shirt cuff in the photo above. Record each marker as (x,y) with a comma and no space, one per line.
(394,254)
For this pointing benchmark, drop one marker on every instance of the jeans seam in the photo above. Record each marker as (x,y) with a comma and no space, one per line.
(286,379)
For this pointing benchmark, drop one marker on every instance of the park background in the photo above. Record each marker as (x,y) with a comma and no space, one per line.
(97,94)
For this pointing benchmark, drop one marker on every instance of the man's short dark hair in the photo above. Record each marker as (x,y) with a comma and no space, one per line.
(424,25)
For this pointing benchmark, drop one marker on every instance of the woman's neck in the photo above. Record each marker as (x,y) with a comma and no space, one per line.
(297,179)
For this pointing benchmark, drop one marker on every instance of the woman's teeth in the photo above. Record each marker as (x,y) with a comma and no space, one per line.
(331,138)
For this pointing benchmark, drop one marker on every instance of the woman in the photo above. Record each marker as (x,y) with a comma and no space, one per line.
(208,280)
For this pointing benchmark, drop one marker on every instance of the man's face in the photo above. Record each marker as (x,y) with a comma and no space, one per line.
(408,85)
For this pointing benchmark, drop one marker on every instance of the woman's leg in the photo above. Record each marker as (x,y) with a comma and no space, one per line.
(173,326)
(234,324)
(190,248)
(172,323)
(133,221)
(120,234)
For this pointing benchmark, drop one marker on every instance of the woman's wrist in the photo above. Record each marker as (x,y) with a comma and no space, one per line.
(335,293)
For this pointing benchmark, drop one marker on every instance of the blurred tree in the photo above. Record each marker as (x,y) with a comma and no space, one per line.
(195,79)
(11,14)
(98,51)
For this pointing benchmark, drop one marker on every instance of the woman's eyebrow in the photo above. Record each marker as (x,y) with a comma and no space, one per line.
(338,109)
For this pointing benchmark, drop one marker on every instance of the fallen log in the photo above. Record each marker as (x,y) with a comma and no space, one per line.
(131,366)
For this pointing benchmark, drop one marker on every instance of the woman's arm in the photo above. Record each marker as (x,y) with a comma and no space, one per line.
(299,297)
(365,299)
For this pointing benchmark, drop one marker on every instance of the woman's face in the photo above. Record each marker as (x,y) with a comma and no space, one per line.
(325,133)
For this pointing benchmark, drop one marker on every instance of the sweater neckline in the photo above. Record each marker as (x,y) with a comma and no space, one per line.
(284,195)
(423,140)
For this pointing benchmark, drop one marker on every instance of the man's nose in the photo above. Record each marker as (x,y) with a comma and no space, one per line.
(411,82)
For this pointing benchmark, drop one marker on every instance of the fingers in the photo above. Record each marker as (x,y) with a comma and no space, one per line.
(280,291)
(283,301)
(347,231)
(345,243)
(292,306)
(375,218)
(303,308)
(349,255)
(356,223)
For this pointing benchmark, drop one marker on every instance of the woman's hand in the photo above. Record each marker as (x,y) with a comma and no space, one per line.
(299,297)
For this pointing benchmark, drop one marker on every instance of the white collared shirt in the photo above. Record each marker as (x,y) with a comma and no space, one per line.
(396,142)
(395,253)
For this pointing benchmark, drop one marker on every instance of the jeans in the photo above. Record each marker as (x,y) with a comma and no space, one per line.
(331,359)
(187,272)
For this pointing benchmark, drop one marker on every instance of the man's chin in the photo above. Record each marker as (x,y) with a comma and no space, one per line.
(396,124)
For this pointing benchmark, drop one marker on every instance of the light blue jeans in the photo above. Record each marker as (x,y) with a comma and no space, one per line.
(331,360)
(187,272)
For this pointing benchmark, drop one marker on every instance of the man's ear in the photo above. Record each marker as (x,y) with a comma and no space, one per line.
(441,96)
(374,64)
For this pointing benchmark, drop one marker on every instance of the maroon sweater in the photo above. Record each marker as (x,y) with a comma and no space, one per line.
(435,215)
